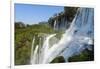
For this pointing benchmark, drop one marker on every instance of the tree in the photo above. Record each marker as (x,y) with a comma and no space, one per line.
(70,12)
(19,25)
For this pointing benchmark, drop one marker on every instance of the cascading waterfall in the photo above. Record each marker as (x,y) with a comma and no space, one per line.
(35,56)
(73,40)
(46,46)
(55,24)
(32,50)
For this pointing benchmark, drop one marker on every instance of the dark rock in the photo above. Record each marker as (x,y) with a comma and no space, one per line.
(59,59)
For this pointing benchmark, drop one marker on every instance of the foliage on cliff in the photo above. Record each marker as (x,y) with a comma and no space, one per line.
(23,40)
(86,55)
(68,14)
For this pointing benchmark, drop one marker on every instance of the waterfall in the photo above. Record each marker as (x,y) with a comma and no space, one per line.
(55,25)
(73,40)
(35,56)
(32,50)
(46,46)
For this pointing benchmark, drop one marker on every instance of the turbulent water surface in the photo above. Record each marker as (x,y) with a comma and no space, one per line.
(73,41)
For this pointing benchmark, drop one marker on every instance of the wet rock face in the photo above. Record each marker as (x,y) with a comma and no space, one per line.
(61,21)
(59,59)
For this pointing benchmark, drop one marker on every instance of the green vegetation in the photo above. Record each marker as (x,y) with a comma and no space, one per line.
(68,14)
(23,40)
(59,59)
(86,55)
(24,35)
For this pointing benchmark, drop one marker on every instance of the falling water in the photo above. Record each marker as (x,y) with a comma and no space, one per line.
(46,46)
(35,56)
(32,50)
(73,40)
(55,24)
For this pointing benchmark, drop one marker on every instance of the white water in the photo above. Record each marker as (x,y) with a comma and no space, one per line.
(32,50)
(34,60)
(55,24)
(73,40)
